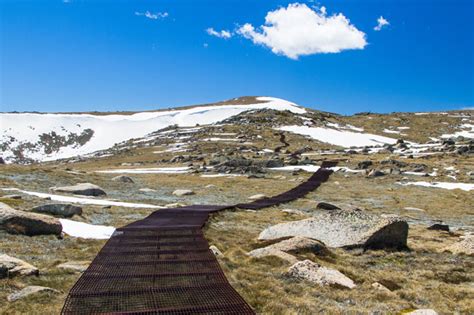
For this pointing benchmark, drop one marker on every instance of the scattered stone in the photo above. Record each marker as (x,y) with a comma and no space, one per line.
(364,165)
(439,227)
(257,197)
(2,161)
(30,290)
(375,173)
(63,210)
(183,192)
(85,189)
(308,270)
(293,211)
(11,267)
(327,206)
(146,190)
(123,179)
(345,228)
(74,266)
(380,287)
(215,250)
(464,246)
(425,311)
(27,223)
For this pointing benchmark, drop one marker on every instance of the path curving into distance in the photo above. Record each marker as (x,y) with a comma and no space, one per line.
(162,264)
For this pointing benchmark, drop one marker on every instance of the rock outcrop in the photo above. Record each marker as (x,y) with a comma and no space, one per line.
(345,228)
(27,223)
(85,189)
(59,209)
(12,267)
(310,271)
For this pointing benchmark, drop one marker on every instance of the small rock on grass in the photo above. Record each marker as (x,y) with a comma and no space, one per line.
(380,287)
(327,206)
(74,266)
(425,311)
(30,290)
(257,197)
(85,189)
(215,250)
(310,271)
(123,179)
(59,209)
(439,227)
(183,192)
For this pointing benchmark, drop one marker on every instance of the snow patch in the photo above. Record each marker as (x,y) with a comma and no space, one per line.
(84,200)
(85,230)
(341,138)
(150,170)
(444,185)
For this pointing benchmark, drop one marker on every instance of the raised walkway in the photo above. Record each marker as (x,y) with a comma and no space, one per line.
(162,264)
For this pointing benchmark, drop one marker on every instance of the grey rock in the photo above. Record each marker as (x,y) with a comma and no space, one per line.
(12,267)
(123,179)
(74,266)
(30,290)
(464,246)
(364,165)
(310,271)
(327,206)
(375,173)
(183,192)
(345,228)
(63,210)
(12,197)
(85,189)
(439,227)
(215,250)
(27,223)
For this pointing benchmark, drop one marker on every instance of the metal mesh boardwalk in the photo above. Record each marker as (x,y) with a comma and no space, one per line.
(162,264)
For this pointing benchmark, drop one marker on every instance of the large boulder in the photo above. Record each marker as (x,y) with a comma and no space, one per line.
(59,209)
(310,271)
(30,290)
(11,267)
(85,189)
(345,228)
(27,223)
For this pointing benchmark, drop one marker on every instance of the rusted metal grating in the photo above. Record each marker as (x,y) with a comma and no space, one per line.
(162,264)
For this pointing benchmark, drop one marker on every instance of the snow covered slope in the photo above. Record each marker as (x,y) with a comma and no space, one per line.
(44,137)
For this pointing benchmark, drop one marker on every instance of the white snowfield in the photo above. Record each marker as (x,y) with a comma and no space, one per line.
(22,128)
(85,230)
(467,131)
(84,200)
(341,138)
(444,185)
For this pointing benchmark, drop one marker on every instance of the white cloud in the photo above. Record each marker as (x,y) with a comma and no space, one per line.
(298,30)
(222,34)
(153,16)
(381,22)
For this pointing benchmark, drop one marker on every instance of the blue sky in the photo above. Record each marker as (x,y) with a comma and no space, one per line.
(109,55)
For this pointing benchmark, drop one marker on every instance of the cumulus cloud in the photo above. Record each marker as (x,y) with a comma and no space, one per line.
(222,34)
(381,22)
(298,30)
(153,16)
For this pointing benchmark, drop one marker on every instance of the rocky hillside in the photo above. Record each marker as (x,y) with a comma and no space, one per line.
(36,137)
